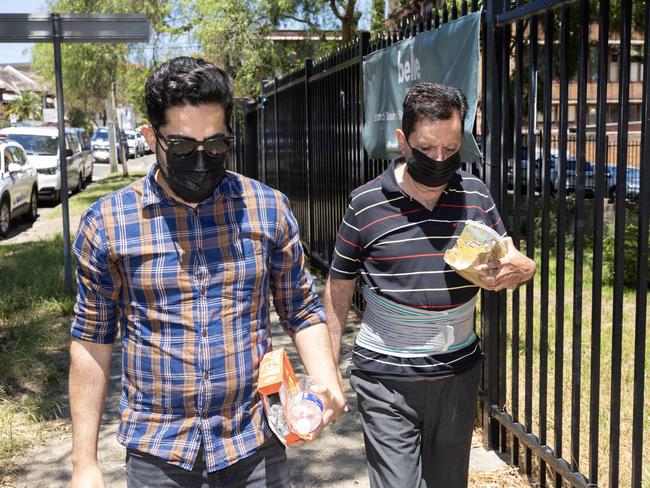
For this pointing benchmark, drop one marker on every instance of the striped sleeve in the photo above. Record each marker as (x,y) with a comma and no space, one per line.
(99,283)
(346,259)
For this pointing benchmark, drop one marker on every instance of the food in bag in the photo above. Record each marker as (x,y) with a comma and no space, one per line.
(477,244)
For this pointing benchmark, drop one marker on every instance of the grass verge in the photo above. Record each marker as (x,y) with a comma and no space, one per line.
(35,316)
(34,338)
(80,202)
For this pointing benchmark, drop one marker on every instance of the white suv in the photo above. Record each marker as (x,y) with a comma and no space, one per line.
(42,147)
(18,185)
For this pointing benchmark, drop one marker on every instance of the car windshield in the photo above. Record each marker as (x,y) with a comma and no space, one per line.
(131,136)
(38,145)
(101,134)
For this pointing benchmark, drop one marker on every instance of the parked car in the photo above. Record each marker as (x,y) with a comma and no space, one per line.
(42,147)
(136,147)
(523,166)
(18,185)
(571,177)
(633,184)
(147,149)
(84,140)
(100,149)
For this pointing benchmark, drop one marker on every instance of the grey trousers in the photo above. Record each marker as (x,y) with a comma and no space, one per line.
(266,468)
(417,434)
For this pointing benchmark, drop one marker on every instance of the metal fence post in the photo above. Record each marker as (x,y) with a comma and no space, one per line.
(490,300)
(309,64)
(276,176)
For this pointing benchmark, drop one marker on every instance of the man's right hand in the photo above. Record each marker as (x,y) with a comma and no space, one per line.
(88,476)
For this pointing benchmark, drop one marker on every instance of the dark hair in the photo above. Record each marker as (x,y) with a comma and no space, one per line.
(432,101)
(186,81)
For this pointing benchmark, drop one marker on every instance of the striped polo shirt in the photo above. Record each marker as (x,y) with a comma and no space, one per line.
(397,246)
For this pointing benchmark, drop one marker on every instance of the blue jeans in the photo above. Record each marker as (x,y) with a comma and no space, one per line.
(265,468)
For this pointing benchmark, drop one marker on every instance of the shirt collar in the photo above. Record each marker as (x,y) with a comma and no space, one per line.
(153,194)
(389,181)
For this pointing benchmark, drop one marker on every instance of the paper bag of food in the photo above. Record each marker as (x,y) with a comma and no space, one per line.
(477,244)
(276,384)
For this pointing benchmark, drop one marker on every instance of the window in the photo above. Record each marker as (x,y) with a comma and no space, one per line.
(613,65)
(72,143)
(592,72)
(8,159)
(612,113)
(636,64)
(18,155)
(592,115)
(635,112)
(572,114)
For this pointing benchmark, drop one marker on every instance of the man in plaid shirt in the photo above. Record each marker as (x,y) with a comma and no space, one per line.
(185,260)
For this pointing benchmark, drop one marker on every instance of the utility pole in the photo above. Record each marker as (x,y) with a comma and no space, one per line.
(110,125)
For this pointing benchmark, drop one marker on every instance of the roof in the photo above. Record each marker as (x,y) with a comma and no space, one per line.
(16,81)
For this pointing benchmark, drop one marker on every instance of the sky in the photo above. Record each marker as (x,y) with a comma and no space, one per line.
(19,52)
(14,53)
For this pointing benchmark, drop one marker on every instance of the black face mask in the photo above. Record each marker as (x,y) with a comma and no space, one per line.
(430,172)
(194,177)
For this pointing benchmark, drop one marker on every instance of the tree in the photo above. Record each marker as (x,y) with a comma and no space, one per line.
(89,70)
(27,106)
(235,35)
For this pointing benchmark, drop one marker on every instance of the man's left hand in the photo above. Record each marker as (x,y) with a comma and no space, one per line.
(333,406)
(508,272)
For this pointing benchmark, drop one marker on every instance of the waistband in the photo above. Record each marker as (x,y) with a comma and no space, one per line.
(399,330)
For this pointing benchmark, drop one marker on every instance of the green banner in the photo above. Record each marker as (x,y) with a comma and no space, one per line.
(448,55)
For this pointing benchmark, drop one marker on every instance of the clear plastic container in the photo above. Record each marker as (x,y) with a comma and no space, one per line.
(304,409)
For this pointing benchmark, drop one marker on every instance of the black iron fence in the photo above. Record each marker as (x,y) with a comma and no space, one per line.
(564,381)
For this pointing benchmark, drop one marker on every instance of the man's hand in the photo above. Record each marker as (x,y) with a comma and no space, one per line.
(87,476)
(333,406)
(509,272)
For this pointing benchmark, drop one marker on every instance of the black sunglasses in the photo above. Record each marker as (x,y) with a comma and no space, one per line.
(182,147)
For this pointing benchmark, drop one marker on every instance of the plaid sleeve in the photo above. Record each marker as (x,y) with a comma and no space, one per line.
(346,260)
(294,294)
(98,283)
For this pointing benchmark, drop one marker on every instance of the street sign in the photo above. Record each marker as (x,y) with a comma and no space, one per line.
(75,28)
(58,28)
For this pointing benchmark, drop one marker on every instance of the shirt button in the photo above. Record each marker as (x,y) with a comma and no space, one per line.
(206,375)
(204,414)
(205,332)
(200,250)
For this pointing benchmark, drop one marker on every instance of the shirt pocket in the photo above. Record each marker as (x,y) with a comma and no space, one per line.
(249,268)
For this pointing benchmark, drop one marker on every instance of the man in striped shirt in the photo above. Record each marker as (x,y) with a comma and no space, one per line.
(185,260)
(416,359)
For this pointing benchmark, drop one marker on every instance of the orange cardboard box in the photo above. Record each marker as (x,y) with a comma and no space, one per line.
(277,381)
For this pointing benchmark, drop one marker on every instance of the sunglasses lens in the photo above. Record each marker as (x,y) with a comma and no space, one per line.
(181,148)
(216,147)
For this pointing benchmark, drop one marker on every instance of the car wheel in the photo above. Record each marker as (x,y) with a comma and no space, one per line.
(32,213)
(89,178)
(80,184)
(56,197)
(5,218)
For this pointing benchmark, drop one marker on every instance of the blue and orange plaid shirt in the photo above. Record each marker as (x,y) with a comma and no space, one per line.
(190,291)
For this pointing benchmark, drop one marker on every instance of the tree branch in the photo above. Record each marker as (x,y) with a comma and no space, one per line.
(311,24)
(335,10)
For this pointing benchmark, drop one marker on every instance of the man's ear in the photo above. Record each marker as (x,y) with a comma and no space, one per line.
(150,136)
(403,144)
